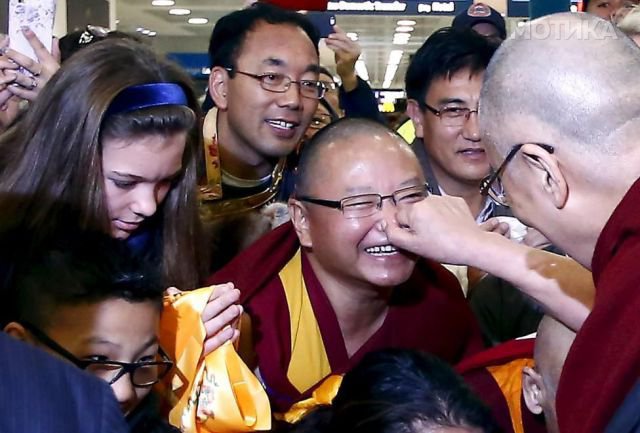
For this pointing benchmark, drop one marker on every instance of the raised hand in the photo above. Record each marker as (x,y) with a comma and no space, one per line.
(29,81)
(347,53)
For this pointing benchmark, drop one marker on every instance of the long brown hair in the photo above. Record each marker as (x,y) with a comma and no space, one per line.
(51,162)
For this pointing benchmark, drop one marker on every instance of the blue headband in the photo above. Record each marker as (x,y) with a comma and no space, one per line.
(147,95)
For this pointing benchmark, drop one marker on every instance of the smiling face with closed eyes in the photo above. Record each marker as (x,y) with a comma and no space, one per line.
(138,173)
(355,251)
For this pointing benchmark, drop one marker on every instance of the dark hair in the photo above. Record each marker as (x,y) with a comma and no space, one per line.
(585,5)
(400,391)
(70,268)
(446,52)
(71,43)
(324,71)
(231,30)
(52,162)
(343,129)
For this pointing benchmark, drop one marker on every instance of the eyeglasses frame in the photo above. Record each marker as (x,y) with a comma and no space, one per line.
(83,364)
(260,77)
(438,113)
(338,204)
(485,184)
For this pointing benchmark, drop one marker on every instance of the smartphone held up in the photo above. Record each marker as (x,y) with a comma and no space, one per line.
(38,15)
(323,22)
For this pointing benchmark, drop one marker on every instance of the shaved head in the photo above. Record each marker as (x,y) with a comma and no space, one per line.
(552,347)
(568,79)
(338,137)
(540,385)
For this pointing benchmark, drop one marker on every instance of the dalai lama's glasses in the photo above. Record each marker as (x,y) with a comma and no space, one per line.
(142,373)
(364,205)
(492,185)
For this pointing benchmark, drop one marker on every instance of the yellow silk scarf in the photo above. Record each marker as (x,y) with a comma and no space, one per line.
(322,396)
(217,394)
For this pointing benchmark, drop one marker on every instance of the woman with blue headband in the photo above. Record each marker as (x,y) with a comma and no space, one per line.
(111,145)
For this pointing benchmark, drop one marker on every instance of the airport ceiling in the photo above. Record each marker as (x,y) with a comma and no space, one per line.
(375,33)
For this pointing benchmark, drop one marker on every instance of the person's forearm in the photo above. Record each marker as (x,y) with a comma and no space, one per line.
(561,285)
(349,82)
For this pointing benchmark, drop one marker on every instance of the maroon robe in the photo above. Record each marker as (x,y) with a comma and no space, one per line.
(604,360)
(427,313)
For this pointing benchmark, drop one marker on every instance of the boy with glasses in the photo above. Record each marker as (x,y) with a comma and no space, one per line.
(84,299)
(329,287)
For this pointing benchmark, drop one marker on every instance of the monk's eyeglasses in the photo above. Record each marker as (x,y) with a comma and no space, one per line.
(492,185)
(364,205)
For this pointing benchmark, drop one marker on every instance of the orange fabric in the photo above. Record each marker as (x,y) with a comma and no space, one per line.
(509,379)
(322,396)
(217,394)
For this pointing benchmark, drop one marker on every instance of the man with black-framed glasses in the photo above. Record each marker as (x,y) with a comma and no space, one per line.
(83,298)
(443,84)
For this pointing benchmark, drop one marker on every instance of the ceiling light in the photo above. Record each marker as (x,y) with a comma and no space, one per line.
(163,3)
(394,57)
(361,70)
(145,32)
(198,21)
(179,11)
(152,34)
(406,23)
(400,42)
(386,84)
(353,36)
(405,36)
(390,73)
(139,29)
(404,29)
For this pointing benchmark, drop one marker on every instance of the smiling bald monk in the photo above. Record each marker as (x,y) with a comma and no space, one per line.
(328,288)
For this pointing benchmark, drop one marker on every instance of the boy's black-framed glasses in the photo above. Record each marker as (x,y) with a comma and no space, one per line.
(492,185)
(142,373)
